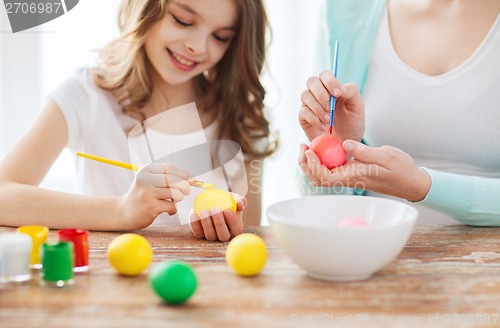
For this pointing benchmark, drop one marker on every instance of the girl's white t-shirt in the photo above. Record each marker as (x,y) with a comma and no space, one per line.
(98,126)
(449,122)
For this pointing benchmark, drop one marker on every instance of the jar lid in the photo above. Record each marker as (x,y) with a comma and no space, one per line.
(15,243)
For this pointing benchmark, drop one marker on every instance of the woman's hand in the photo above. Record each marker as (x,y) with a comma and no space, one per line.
(387,170)
(217,224)
(156,189)
(349,115)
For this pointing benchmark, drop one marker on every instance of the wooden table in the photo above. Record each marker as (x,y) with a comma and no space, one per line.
(445,276)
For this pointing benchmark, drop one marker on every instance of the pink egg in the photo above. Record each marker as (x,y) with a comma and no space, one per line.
(329,150)
(352,222)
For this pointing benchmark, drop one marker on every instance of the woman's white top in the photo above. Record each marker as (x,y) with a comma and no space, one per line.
(449,122)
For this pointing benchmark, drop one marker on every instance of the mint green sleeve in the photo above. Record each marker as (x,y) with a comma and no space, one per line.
(471,200)
(354,23)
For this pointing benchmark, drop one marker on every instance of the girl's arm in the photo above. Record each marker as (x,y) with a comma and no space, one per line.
(468,199)
(22,202)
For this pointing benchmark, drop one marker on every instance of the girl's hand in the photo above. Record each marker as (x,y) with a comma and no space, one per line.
(349,115)
(219,225)
(387,170)
(156,189)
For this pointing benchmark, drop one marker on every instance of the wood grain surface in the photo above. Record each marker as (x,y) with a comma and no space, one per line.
(446,276)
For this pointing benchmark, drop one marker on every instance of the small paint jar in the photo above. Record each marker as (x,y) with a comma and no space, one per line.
(15,253)
(38,236)
(79,238)
(57,264)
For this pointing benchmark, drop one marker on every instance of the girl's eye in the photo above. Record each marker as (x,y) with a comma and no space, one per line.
(220,39)
(180,22)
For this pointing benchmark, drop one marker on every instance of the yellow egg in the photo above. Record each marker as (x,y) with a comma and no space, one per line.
(130,254)
(246,254)
(210,198)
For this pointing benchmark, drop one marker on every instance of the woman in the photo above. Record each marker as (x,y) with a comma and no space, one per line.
(432,127)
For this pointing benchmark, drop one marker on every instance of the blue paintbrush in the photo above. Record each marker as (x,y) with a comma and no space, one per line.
(332,98)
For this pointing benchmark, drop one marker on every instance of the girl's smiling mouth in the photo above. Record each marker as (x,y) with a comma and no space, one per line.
(181,62)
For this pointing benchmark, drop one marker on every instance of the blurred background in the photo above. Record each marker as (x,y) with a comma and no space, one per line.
(36,61)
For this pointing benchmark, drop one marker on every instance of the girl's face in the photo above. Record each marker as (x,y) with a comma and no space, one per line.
(191,38)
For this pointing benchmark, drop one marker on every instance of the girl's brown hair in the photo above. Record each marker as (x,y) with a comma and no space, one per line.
(232,88)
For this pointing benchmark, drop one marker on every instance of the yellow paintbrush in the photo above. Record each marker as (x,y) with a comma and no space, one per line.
(128,166)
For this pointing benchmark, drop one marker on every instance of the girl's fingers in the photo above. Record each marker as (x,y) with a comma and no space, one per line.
(196,227)
(165,175)
(234,222)
(169,193)
(167,206)
(163,168)
(241,201)
(220,225)
(242,204)
(208,226)
(165,181)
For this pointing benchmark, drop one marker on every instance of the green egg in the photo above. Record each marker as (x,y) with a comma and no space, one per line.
(174,281)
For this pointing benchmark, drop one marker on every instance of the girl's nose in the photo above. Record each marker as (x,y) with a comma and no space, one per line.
(197,44)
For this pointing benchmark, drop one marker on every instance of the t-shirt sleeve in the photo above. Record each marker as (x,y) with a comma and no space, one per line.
(468,199)
(72,98)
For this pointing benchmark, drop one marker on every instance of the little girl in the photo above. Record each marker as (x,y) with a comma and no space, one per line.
(170,53)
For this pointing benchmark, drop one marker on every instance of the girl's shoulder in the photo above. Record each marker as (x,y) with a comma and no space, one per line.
(80,86)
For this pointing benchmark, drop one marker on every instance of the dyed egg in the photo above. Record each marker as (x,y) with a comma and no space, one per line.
(352,222)
(130,254)
(329,150)
(246,254)
(208,199)
(174,281)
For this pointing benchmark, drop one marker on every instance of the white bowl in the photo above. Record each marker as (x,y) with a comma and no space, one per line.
(306,229)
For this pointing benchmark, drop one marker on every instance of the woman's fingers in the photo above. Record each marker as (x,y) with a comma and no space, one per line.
(308,117)
(383,156)
(350,90)
(331,84)
(308,162)
(312,104)
(319,92)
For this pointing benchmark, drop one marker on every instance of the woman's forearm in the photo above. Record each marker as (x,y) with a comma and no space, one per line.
(468,199)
